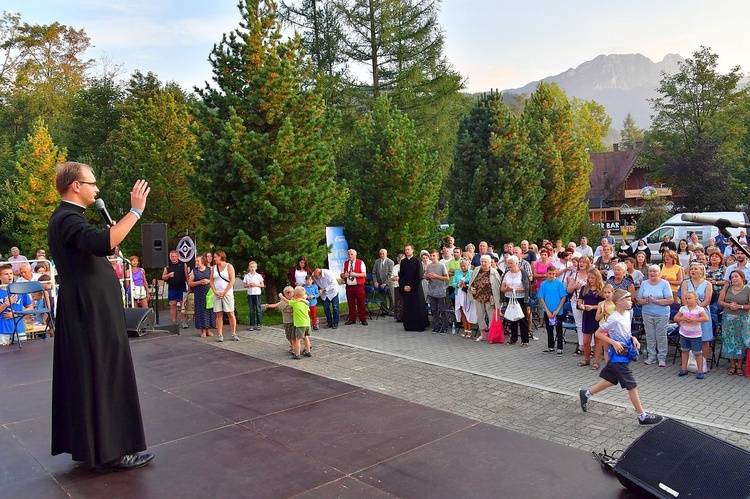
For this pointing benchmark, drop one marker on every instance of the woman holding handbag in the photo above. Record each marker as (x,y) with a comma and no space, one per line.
(516,285)
(484,288)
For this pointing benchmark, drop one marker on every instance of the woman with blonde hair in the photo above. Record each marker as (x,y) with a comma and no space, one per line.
(698,283)
(588,302)
(672,272)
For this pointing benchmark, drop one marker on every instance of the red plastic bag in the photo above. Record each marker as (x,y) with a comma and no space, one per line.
(496,333)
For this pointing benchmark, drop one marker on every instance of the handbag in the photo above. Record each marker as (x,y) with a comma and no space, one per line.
(210,299)
(514,313)
(497,331)
(139,292)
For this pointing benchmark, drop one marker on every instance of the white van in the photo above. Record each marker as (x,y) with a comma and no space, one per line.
(677,229)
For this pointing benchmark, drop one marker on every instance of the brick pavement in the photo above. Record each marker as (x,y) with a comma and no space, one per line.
(519,389)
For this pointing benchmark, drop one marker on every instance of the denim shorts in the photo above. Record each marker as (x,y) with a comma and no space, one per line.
(693,344)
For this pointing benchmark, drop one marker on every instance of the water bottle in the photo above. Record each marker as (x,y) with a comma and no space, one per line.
(453,328)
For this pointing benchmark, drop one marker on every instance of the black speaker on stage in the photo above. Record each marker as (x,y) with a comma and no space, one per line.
(139,321)
(154,246)
(673,459)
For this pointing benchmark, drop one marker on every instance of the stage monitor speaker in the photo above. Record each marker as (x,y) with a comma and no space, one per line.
(673,459)
(139,321)
(154,246)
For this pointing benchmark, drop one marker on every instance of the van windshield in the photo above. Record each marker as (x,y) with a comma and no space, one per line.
(658,235)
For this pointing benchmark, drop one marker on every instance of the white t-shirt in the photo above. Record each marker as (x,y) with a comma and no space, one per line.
(514,280)
(618,326)
(254,278)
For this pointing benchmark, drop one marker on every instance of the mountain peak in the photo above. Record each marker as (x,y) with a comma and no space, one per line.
(622,83)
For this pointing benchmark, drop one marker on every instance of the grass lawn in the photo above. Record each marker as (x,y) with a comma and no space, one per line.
(270,317)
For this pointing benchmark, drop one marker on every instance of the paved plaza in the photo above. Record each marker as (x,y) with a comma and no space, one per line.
(503,385)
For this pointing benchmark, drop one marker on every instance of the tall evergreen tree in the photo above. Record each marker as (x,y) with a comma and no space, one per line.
(495,190)
(266,175)
(400,43)
(562,159)
(394,184)
(630,135)
(36,196)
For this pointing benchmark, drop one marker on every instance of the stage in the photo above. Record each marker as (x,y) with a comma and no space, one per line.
(224,424)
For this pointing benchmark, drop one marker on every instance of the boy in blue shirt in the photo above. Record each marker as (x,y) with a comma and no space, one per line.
(7,304)
(616,333)
(552,296)
(312,300)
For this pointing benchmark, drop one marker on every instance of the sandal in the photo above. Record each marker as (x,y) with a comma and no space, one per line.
(732,371)
(740,373)
(203,335)
(583,363)
(524,345)
(594,366)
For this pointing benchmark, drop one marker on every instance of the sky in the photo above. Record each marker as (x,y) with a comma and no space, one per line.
(492,43)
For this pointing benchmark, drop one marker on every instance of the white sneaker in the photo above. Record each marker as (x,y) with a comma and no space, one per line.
(220,338)
(184,325)
(235,337)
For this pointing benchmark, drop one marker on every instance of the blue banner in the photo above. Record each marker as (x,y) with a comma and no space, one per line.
(337,254)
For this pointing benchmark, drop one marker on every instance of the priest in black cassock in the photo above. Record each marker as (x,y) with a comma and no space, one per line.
(412,295)
(96,416)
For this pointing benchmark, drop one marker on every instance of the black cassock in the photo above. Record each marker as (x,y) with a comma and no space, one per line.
(415,308)
(96,416)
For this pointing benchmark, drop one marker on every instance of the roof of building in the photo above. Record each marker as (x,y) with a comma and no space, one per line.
(610,171)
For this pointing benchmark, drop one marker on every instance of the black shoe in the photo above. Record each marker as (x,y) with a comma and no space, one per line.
(335,326)
(548,350)
(585,400)
(650,419)
(329,326)
(296,357)
(364,323)
(125,463)
(443,331)
(305,353)
(349,323)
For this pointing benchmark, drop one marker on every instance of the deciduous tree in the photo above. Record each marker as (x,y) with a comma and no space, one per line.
(36,196)
(698,126)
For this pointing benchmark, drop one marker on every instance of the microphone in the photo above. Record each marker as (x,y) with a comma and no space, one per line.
(719,222)
(99,203)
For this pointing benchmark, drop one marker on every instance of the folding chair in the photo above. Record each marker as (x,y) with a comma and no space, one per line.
(373,302)
(569,324)
(20,289)
(673,332)
(636,324)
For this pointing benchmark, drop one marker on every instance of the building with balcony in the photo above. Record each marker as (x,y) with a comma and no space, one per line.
(618,182)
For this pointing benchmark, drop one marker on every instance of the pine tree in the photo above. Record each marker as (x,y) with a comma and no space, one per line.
(630,135)
(394,184)
(562,159)
(495,190)
(36,159)
(266,176)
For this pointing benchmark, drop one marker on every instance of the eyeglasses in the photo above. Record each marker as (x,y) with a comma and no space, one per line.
(87,183)
(628,296)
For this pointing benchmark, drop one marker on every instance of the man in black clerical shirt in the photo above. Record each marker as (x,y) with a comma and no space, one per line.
(96,415)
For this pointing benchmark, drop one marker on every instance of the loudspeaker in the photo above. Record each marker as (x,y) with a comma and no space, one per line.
(673,459)
(154,243)
(139,321)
